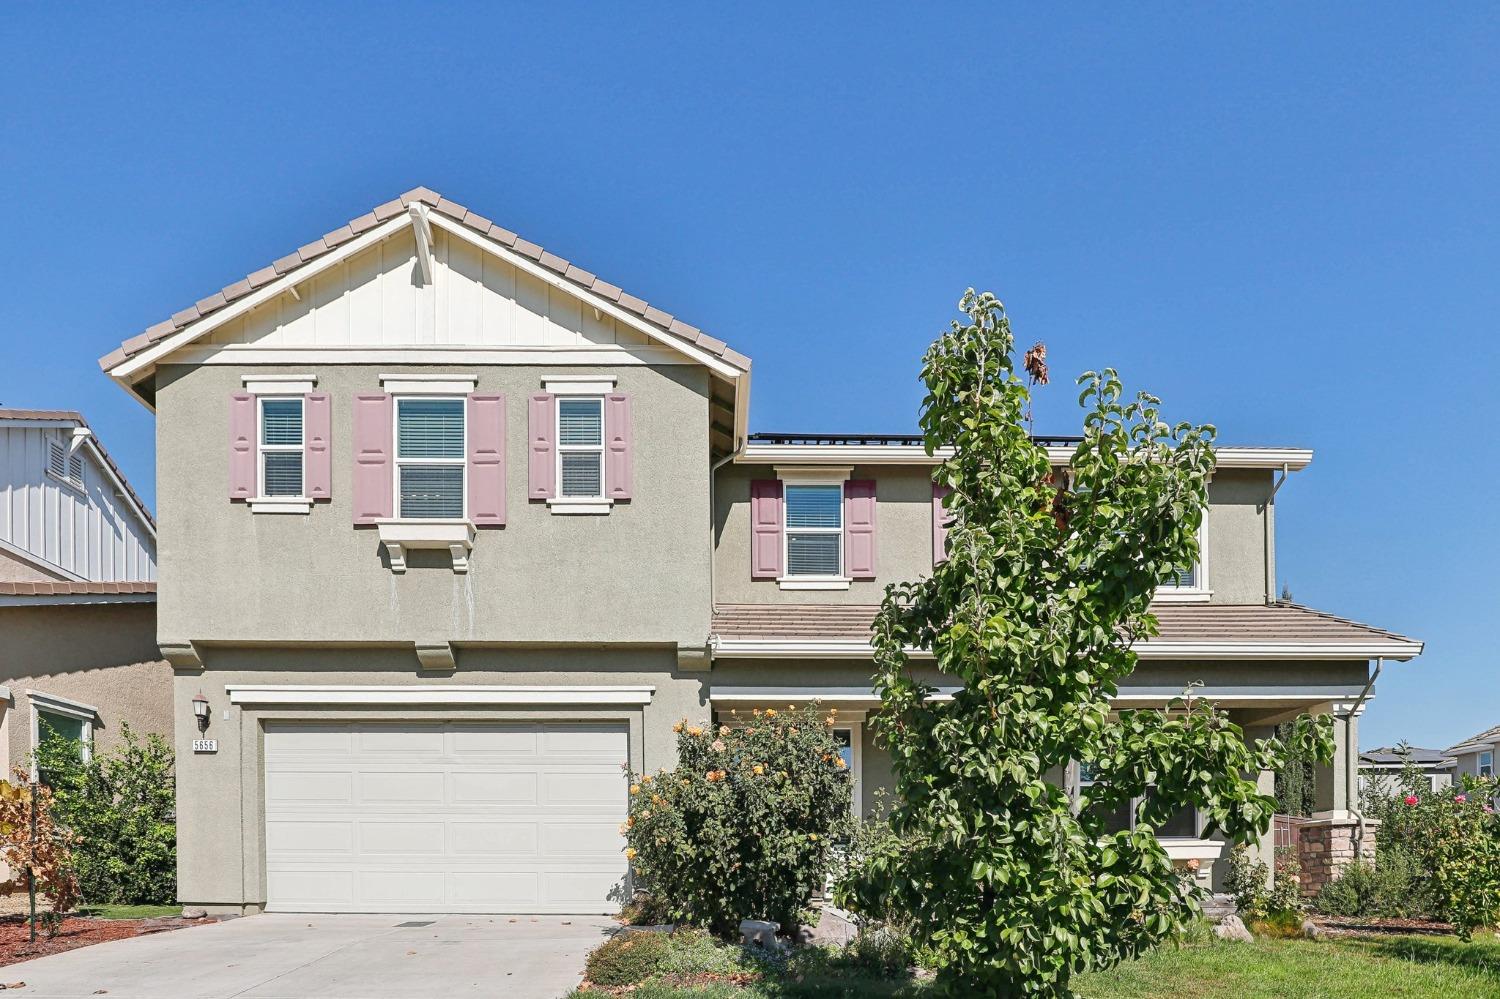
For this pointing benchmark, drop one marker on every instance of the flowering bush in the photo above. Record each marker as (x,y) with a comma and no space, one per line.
(1454,835)
(743,827)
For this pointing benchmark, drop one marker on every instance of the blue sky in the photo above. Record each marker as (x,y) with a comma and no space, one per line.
(1282,221)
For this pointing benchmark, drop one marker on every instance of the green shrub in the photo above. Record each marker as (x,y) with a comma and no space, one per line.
(121,808)
(1393,887)
(628,960)
(1247,881)
(745,824)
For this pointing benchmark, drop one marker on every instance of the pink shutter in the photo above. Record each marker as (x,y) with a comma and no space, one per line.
(242,438)
(617,458)
(859,528)
(487,460)
(374,490)
(765,528)
(541,414)
(317,429)
(940,519)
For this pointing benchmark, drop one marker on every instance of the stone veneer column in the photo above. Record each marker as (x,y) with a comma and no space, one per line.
(1326,847)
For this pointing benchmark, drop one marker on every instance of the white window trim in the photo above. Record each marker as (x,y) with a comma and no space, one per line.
(812,477)
(1202,591)
(68,708)
(279,384)
(261,503)
(397,461)
(856,764)
(404,384)
(1480,766)
(580,387)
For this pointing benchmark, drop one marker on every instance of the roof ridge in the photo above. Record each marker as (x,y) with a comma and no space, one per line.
(381,213)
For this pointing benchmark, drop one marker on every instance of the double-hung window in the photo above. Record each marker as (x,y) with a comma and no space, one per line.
(1182,824)
(282,450)
(1487,764)
(580,447)
(1187,582)
(430,449)
(814,530)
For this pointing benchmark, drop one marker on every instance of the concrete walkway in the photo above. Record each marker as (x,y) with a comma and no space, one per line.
(284,956)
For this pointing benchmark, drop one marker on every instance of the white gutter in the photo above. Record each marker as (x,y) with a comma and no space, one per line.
(763,648)
(1285,458)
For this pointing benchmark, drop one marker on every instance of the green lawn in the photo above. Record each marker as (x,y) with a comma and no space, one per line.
(1404,967)
(129,911)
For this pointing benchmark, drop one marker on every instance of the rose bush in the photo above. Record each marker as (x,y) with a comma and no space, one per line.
(745,825)
(1454,836)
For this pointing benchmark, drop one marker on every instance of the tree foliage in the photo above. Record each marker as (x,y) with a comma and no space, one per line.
(1297,780)
(744,825)
(1048,580)
(33,845)
(120,808)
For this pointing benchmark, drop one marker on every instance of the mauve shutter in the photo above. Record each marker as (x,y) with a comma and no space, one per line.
(317,430)
(617,457)
(541,415)
(374,497)
(940,518)
(859,528)
(765,528)
(242,437)
(487,460)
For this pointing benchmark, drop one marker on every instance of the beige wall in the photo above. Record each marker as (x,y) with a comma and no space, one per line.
(14,569)
(1237,538)
(104,655)
(234,576)
(221,854)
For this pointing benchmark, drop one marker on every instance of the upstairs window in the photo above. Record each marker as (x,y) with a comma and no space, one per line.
(1487,764)
(65,466)
(281,450)
(430,447)
(580,447)
(814,530)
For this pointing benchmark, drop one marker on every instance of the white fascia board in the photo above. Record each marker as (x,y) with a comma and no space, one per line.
(1464,748)
(729,648)
(60,599)
(125,494)
(1292,459)
(717,365)
(128,370)
(450,694)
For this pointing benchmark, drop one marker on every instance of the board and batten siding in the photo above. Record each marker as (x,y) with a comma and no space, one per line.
(92,534)
(376,298)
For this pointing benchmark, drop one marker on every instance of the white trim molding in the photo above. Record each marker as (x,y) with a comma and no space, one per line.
(814,475)
(576,505)
(280,504)
(62,705)
(407,384)
(579,384)
(398,535)
(447,694)
(279,384)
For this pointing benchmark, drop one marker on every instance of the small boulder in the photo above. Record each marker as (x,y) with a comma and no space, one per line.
(759,933)
(194,912)
(1233,928)
(1311,930)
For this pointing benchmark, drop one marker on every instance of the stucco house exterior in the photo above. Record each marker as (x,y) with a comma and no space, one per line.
(452,529)
(1475,756)
(78,656)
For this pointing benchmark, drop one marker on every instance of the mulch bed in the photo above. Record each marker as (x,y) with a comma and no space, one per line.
(75,932)
(1349,926)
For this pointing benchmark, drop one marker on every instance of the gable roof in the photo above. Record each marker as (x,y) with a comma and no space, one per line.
(74,417)
(1488,737)
(668,328)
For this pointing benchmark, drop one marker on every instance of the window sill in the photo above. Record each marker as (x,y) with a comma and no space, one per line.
(72,484)
(280,504)
(1181,595)
(1187,848)
(576,505)
(814,582)
(400,535)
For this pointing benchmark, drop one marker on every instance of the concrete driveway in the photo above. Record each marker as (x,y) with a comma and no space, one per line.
(283,956)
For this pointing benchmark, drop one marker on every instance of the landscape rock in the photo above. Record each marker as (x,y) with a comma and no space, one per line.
(193,912)
(759,933)
(1233,928)
(834,928)
(1311,930)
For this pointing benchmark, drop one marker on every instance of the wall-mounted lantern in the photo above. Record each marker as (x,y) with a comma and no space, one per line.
(201,711)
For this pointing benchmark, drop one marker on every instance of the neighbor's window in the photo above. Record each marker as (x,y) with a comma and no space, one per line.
(1182,824)
(814,530)
(580,447)
(281,446)
(1185,578)
(1487,764)
(430,458)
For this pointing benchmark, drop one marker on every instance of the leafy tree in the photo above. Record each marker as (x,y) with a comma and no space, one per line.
(1011,887)
(744,825)
(1297,780)
(120,808)
(35,848)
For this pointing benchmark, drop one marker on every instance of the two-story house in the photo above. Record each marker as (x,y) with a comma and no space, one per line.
(78,656)
(453,529)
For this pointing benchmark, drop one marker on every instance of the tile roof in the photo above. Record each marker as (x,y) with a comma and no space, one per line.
(572,273)
(70,589)
(1219,623)
(1488,735)
(77,417)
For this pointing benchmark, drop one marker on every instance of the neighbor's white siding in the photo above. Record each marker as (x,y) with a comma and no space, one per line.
(91,534)
(376,299)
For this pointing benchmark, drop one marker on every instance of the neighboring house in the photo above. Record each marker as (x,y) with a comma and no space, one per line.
(1475,756)
(1387,763)
(78,657)
(454,529)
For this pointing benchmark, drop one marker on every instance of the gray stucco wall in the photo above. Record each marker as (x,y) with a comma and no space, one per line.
(104,655)
(1237,539)
(234,576)
(221,828)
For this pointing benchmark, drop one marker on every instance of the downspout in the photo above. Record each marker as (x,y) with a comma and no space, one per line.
(713,471)
(1351,764)
(1266,535)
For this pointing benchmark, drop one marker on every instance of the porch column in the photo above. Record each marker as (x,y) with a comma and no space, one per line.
(1336,795)
(1336,837)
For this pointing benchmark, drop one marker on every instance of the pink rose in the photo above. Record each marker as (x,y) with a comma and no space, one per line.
(1411,799)
(1461,798)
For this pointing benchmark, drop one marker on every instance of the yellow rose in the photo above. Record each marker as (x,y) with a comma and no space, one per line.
(630,853)
(695,731)
(635,789)
(770,712)
(813,837)
(677,726)
(842,764)
(758,769)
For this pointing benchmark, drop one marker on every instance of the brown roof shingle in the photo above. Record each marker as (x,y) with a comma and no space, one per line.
(1220,623)
(575,275)
(68,589)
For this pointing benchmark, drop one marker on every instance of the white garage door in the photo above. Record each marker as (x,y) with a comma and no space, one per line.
(455,817)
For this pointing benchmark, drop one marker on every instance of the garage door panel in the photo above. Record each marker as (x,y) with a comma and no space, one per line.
(457,817)
(515,788)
